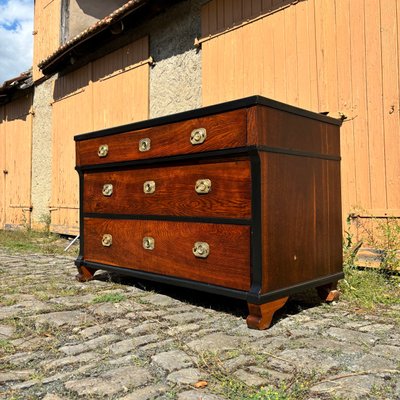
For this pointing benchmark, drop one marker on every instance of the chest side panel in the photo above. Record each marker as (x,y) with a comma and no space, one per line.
(282,130)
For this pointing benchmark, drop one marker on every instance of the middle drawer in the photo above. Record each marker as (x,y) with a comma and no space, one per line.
(219,189)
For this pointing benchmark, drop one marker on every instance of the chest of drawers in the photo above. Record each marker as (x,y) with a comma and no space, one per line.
(240,199)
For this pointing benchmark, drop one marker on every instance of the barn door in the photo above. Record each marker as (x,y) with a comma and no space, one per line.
(2,169)
(17,132)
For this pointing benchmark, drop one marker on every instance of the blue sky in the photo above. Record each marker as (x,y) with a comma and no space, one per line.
(16,26)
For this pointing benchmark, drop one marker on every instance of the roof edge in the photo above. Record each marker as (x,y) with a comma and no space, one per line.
(129,7)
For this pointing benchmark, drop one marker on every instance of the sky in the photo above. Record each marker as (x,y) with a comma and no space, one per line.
(16,39)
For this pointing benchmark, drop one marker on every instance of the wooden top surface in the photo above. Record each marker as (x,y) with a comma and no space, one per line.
(210,110)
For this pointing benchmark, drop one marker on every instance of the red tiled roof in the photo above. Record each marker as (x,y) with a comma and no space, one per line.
(100,25)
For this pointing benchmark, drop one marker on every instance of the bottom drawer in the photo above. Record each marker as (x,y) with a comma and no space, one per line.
(173,248)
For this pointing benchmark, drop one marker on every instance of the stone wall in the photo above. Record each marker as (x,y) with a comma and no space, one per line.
(41,153)
(175,79)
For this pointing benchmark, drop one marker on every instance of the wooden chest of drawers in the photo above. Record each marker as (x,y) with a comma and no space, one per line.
(240,199)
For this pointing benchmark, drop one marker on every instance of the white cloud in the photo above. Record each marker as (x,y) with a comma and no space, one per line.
(16,40)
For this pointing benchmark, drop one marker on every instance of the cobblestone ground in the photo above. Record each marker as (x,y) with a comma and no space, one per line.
(110,339)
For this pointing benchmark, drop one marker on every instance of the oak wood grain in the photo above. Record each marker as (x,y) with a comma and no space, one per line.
(228,263)
(175,194)
(223,131)
(301,219)
(280,129)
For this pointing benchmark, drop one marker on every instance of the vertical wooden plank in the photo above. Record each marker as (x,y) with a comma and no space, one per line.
(205,30)
(2,167)
(345,105)
(212,17)
(228,12)
(228,66)
(246,9)
(256,7)
(321,60)
(391,97)
(358,77)
(291,55)
(303,56)
(374,104)
(220,15)
(239,75)
(206,75)
(268,82)
(237,11)
(248,61)
(330,56)
(312,41)
(266,6)
(277,21)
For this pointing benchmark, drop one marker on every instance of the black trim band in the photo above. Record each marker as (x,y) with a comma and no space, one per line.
(210,220)
(213,289)
(200,286)
(298,153)
(287,291)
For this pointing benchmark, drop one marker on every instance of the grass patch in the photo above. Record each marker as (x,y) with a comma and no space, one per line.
(6,347)
(109,298)
(370,289)
(28,241)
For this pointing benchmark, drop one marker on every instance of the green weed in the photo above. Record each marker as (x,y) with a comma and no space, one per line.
(6,347)
(370,288)
(109,298)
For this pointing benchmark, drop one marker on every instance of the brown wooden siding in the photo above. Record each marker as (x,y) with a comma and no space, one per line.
(339,56)
(111,91)
(46,30)
(15,163)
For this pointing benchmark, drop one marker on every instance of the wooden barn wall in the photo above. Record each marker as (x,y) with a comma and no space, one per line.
(111,91)
(340,56)
(15,163)
(47,31)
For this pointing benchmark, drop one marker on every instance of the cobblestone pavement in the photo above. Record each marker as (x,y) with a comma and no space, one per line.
(106,339)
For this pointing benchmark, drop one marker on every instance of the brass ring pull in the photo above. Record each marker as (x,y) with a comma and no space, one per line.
(203,186)
(107,189)
(149,187)
(144,144)
(198,136)
(103,150)
(201,249)
(106,240)
(148,243)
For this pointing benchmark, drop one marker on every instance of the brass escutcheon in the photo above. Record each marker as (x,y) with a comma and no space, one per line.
(144,144)
(148,243)
(198,136)
(106,240)
(103,150)
(107,189)
(201,249)
(149,187)
(203,186)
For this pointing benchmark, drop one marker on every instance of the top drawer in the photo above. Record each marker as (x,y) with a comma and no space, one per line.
(219,131)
